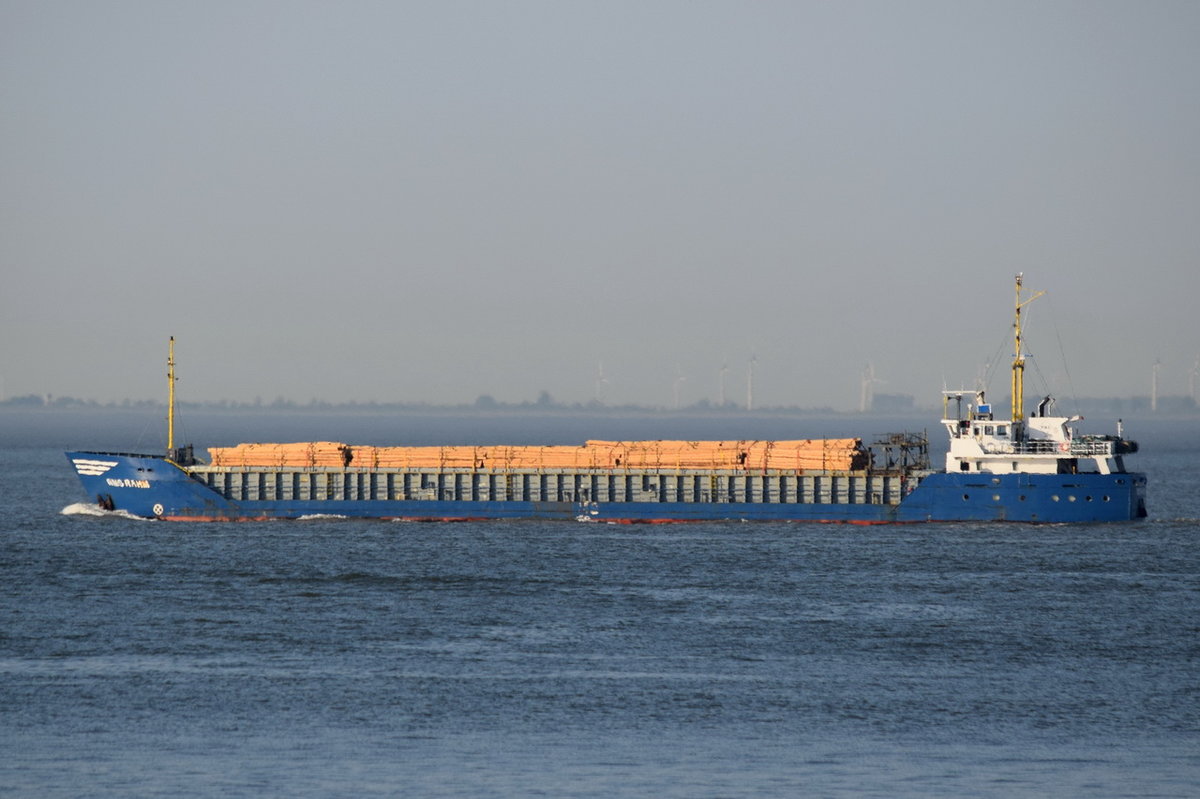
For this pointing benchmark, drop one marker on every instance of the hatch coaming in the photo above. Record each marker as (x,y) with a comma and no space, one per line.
(692,487)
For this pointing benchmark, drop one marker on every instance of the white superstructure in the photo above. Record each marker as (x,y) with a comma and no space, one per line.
(1039,444)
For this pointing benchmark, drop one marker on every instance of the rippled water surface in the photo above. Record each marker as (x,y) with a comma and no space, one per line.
(336,657)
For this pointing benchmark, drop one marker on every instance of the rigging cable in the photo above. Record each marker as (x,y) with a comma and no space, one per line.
(1062,353)
(990,366)
(1041,377)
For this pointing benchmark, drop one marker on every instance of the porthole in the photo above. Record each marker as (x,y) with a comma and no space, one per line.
(1087,499)
(966,497)
(1107,498)
(1054,497)
(1022,497)
(1071,498)
(995,497)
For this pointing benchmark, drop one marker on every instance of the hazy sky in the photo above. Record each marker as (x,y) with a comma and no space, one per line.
(430,201)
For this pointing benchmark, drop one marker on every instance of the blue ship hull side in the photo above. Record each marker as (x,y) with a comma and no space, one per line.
(153,487)
(146,485)
(1027,498)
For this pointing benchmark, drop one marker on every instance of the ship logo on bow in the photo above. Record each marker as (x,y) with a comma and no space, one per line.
(92,467)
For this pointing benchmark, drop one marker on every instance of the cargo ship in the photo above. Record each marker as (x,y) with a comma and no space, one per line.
(1023,469)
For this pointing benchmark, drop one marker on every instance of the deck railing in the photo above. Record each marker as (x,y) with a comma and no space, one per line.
(1079,448)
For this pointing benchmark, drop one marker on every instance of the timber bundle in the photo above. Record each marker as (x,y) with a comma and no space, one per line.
(821,454)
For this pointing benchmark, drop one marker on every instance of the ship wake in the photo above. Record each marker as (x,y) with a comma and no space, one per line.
(91,509)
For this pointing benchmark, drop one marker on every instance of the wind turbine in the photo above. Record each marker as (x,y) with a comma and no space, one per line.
(1154,387)
(601,382)
(750,382)
(866,400)
(679,378)
(1192,375)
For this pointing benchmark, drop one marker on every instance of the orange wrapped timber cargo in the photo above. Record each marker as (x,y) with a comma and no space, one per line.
(840,454)
(828,454)
(305,453)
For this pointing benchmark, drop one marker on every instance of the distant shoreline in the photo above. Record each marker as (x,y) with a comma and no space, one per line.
(1099,407)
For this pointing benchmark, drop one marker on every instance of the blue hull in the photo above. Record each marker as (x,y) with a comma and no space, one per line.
(153,487)
(1052,498)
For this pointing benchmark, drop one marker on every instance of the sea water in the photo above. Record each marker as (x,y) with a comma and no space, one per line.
(333,657)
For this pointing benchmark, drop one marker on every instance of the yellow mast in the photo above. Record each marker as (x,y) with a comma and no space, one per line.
(1018,367)
(171,397)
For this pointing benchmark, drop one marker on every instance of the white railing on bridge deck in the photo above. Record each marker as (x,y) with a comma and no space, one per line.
(1078,448)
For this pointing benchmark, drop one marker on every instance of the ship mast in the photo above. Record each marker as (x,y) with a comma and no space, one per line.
(1018,367)
(171,397)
